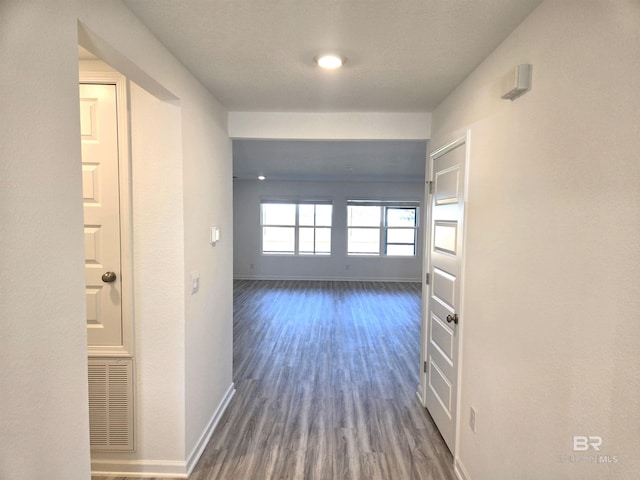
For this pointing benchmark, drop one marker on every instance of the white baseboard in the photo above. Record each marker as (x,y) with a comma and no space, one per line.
(459,470)
(164,468)
(419,395)
(139,468)
(327,278)
(202,442)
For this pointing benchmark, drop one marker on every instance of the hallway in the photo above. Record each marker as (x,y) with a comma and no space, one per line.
(326,374)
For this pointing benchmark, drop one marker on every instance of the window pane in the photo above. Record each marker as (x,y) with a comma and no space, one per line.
(323,240)
(405,250)
(401,217)
(306,240)
(307,216)
(400,235)
(363,216)
(278,239)
(278,214)
(310,245)
(323,215)
(364,240)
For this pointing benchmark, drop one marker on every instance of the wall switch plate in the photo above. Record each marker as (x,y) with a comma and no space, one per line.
(195,282)
(214,236)
(472,419)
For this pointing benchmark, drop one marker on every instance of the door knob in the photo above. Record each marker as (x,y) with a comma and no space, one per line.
(108,277)
(452,318)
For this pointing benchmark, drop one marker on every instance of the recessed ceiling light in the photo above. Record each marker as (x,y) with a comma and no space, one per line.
(261,177)
(330,61)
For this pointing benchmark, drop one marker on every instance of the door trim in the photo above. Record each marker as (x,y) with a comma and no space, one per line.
(98,76)
(459,138)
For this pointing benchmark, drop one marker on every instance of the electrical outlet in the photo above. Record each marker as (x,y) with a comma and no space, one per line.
(472,419)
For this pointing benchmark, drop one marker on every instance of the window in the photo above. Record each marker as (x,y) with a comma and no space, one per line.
(382,228)
(296,228)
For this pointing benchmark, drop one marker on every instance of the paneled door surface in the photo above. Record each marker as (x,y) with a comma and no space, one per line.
(445,265)
(100,191)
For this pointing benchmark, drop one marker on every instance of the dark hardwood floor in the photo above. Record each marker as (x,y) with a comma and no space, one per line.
(326,375)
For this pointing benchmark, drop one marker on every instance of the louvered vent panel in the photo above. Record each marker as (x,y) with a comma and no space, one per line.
(111,404)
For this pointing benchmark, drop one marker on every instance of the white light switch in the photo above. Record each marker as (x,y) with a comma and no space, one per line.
(214,236)
(195,282)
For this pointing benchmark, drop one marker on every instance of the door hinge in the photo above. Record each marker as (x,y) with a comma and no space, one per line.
(430,187)
(424,368)
(426,280)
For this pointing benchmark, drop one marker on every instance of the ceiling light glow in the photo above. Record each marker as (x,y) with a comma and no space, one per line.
(330,62)
(261,177)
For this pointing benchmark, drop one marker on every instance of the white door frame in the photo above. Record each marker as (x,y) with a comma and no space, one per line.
(460,137)
(89,73)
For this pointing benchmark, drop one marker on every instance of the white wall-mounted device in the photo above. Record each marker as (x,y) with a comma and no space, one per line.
(195,282)
(214,236)
(516,82)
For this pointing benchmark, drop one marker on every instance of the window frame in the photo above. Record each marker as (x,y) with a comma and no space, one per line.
(384,228)
(297,227)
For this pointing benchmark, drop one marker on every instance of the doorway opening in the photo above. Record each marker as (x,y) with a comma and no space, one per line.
(147,162)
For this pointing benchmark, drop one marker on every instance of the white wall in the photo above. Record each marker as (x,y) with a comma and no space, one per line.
(208,201)
(43,365)
(158,245)
(249,263)
(552,268)
(43,376)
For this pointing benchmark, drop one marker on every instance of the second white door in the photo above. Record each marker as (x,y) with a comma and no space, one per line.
(445,272)
(101,202)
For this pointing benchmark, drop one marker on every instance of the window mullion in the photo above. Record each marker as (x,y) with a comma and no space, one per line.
(383,230)
(315,225)
(296,229)
(315,248)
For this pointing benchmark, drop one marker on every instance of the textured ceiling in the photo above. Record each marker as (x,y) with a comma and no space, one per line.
(348,161)
(403,55)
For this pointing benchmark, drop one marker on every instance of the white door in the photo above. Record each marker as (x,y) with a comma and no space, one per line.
(445,268)
(100,191)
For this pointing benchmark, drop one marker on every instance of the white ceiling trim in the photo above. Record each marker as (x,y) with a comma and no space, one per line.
(329,126)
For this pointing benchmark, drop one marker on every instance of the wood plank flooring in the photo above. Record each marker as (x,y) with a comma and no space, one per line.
(326,375)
